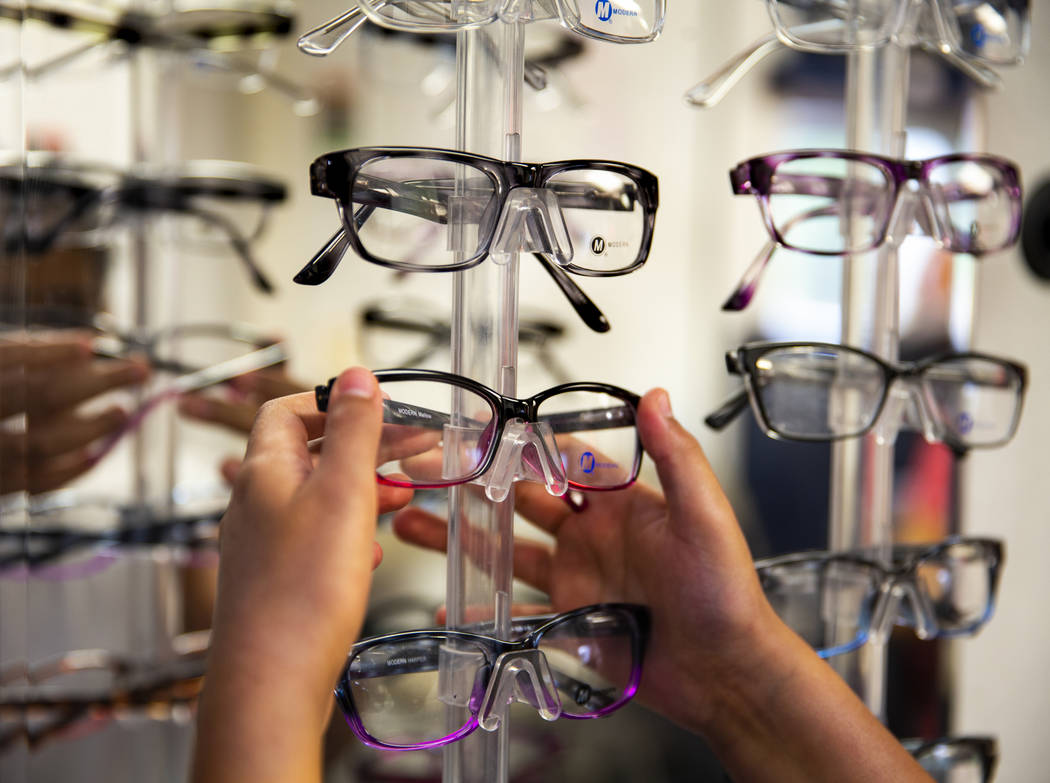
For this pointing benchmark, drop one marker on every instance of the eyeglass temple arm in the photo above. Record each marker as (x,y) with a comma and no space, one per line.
(584,306)
(729,410)
(240,245)
(326,38)
(744,291)
(326,260)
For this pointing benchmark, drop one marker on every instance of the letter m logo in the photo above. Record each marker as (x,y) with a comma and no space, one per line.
(603,10)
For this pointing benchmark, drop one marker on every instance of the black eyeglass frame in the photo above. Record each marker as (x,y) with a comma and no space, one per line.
(504,409)
(985,747)
(332,175)
(743,361)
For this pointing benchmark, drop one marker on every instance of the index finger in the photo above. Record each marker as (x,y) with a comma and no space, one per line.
(284,426)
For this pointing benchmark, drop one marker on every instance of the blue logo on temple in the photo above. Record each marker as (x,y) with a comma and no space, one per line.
(605,10)
(587,462)
(964,422)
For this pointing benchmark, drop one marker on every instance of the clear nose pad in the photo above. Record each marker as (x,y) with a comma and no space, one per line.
(905,409)
(514,11)
(532,222)
(524,676)
(912,610)
(526,452)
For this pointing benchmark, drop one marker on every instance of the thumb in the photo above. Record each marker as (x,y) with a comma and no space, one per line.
(351,438)
(690,487)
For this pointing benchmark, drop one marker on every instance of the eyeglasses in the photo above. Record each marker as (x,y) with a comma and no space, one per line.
(216,34)
(45,547)
(826,392)
(441,429)
(417,209)
(413,333)
(839,202)
(49,200)
(604,20)
(88,688)
(970,759)
(425,689)
(837,601)
(969,36)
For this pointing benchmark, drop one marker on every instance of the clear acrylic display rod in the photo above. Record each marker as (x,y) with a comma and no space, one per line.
(490,64)
(861,499)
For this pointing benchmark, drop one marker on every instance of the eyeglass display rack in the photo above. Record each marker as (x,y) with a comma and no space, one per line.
(861,497)
(490,64)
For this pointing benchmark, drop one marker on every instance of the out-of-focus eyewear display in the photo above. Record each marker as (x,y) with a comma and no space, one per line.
(410,333)
(614,21)
(46,202)
(970,35)
(418,209)
(216,34)
(424,689)
(441,429)
(83,690)
(968,759)
(841,202)
(838,601)
(826,392)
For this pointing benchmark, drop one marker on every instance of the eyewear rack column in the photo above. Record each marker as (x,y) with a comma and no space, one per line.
(861,501)
(490,74)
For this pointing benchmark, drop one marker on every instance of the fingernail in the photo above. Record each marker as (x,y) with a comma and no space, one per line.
(663,404)
(356,382)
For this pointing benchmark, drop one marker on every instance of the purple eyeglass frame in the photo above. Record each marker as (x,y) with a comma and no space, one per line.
(755,177)
(639,624)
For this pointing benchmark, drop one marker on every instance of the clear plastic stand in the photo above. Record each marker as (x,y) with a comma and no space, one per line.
(524,676)
(490,63)
(861,502)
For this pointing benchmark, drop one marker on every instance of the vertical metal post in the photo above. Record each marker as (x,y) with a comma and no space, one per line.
(861,500)
(490,66)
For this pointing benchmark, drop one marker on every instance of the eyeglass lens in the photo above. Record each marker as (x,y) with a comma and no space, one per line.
(436,433)
(432,213)
(950,762)
(832,602)
(826,392)
(427,687)
(639,19)
(994,32)
(839,205)
(837,23)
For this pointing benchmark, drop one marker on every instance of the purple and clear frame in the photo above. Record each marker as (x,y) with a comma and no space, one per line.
(756,177)
(636,624)
(505,409)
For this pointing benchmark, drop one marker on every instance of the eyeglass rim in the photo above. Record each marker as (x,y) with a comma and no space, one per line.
(986,746)
(742,361)
(641,622)
(331,176)
(946,34)
(993,548)
(503,408)
(754,177)
(566,17)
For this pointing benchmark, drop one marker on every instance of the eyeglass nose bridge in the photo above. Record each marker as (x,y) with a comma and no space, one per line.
(915,208)
(902,603)
(906,407)
(531,222)
(527,451)
(523,676)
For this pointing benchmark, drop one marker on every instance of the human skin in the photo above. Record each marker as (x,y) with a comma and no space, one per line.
(48,378)
(297,553)
(720,662)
